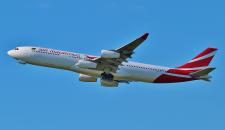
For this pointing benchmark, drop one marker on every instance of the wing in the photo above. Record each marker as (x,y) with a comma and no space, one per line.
(128,49)
(125,52)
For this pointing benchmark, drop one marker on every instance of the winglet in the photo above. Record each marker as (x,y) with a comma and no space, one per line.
(145,36)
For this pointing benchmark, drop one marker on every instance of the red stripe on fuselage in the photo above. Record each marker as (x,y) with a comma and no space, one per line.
(171,79)
(183,72)
(91,57)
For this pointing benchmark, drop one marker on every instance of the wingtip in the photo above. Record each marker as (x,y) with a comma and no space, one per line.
(145,36)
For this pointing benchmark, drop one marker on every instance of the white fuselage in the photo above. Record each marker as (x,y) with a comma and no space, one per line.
(128,71)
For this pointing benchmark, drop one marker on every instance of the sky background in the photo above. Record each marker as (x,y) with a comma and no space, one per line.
(38,98)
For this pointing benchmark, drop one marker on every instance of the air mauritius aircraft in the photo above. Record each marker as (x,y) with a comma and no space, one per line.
(112,67)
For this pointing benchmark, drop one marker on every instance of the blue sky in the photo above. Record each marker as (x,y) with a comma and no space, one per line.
(34,98)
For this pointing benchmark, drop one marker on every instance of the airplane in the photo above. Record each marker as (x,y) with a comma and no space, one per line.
(112,66)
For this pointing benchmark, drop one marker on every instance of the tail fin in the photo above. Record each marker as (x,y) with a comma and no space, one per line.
(200,61)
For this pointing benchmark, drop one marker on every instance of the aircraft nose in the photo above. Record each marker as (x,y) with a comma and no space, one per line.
(10,53)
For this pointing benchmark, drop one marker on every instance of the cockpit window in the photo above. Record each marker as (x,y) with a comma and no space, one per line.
(16,48)
(33,49)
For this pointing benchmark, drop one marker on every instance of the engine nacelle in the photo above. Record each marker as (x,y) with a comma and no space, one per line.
(86,64)
(87,78)
(109,54)
(107,83)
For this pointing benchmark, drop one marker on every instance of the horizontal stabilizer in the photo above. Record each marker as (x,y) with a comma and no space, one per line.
(203,72)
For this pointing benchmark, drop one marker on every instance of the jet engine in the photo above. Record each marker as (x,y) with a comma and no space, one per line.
(86,64)
(87,78)
(109,54)
(108,83)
